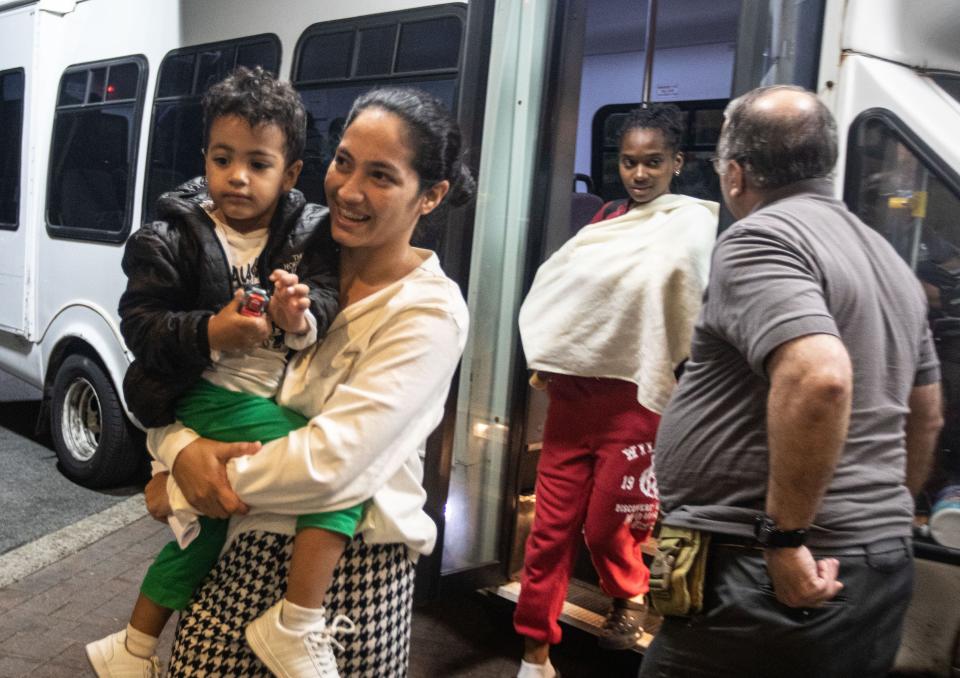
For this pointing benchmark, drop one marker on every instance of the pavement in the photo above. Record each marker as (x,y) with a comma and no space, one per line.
(82,586)
(48,615)
(35,499)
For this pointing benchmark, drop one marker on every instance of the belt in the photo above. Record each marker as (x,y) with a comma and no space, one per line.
(734,541)
(881,546)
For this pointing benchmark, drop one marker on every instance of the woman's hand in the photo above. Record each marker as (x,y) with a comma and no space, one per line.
(289,303)
(201,473)
(155,494)
(539,380)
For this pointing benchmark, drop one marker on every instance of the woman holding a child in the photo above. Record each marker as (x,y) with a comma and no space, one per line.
(373,390)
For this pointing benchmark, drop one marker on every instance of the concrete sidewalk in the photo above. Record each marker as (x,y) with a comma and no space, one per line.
(48,616)
(79,584)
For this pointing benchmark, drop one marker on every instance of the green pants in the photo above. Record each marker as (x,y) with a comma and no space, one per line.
(230,417)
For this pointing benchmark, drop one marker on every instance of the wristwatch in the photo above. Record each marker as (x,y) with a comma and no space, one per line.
(770,536)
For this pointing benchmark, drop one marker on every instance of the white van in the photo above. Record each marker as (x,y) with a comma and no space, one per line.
(99,114)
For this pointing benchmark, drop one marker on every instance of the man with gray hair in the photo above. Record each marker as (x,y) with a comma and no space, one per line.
(804,423)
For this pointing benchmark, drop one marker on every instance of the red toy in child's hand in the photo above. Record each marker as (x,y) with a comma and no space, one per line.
(255,301)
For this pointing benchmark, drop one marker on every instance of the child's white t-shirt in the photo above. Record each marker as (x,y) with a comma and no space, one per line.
(256,371)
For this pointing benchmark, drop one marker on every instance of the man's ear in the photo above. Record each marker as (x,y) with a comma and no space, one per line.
(291,174)
(736,179)
(433,196)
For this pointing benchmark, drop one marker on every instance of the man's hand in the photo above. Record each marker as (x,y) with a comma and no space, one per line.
(155,494)
(230,330)
(289,303)
(201,472)
(799,580)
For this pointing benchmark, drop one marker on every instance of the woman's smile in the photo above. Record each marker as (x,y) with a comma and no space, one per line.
(351,217)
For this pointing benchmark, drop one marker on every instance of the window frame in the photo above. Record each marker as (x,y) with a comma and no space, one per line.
(193,96)
(853,170)
(91,234)
(15,225)
(382,20)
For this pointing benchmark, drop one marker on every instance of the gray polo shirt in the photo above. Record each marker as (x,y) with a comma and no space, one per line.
(801,264)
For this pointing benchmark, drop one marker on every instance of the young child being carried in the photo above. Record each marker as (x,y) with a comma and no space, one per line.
(200,360)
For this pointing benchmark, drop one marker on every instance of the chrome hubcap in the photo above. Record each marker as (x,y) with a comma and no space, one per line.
(81,421)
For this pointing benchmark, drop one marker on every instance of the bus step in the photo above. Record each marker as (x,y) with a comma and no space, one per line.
(585,608)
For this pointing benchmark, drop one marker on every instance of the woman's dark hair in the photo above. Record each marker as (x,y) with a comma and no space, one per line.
(259,98)
(665,117)
(433,137)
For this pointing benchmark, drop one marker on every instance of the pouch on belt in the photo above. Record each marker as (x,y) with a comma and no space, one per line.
(678,571)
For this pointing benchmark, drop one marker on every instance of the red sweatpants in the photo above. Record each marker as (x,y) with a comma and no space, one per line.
(596,475)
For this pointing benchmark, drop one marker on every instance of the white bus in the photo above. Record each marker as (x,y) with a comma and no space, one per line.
(99,114)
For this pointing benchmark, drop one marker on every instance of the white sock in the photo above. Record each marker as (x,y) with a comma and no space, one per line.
(528,670)
(298,618)
(141,644)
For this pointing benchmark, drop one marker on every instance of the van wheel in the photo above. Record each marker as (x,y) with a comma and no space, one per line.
(95,442)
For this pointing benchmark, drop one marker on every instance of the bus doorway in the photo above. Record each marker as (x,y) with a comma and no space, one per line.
(692,67)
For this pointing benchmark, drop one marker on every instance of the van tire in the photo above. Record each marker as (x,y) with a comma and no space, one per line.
(95,442)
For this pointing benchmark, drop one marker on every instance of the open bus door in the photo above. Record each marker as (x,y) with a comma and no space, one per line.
(500,419)
(769,43)
(540,70)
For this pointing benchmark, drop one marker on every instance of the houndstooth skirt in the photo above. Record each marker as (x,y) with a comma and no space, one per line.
(372,585)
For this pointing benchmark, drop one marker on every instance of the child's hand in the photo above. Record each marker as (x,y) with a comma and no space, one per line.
(230,330)
(289,302)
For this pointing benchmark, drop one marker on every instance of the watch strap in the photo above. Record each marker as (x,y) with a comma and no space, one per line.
(769,535)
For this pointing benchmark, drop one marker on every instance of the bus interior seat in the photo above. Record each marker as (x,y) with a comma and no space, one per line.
(583,206)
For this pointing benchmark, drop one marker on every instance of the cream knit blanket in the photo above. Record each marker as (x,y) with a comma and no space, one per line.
(620,298)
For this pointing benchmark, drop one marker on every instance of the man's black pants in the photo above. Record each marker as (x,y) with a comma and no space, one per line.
(745,632)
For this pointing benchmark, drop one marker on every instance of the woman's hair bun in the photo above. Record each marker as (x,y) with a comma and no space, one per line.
(462,188)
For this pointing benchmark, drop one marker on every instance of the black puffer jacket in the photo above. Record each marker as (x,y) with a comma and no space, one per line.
(178,277)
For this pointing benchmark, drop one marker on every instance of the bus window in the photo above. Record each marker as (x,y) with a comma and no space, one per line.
(429,45)
(899,187)
(93,152)
(176,135)
(375,50)
(337,61)
(11,128)
(892,188)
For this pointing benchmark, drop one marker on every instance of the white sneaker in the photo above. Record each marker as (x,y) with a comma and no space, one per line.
(292,654)
(110,658)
